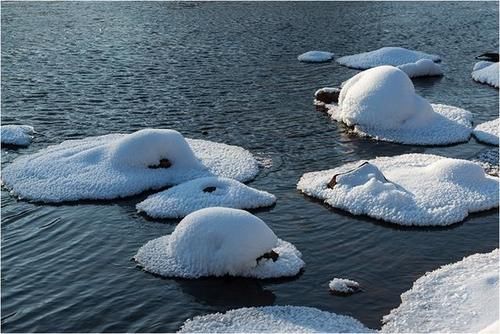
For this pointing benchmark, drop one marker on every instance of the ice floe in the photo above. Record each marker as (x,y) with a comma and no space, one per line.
(220,241)
(315,56)
(486,72)
(487,132)
(394,56)
(343,286)
(410,189)
(488,159)
(19,135)
(187,197)
(119,165)
(459,297)
(381,103)
(421,68)
(274,319)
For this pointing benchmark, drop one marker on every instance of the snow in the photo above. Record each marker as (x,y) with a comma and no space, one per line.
(487,132)
(116,165)
(410,189)
(488,159)
(216,242)
(486,72)
(343,286)
(381,103)
(181,200)
(315,56)
(421,68)
(274,319)
(394,56)
(459,297)
(20,135)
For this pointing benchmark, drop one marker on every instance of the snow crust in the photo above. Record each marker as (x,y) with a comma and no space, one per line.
(343,285)
(486,72)
(274,319)
(416,189)
(216,242)
(118,165)
(381,103)
(20,135)
(315,56)
(459,297)
(421,68)
(394,56)
(487,132)
(181,200)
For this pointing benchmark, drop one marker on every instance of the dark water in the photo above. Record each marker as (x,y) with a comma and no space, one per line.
(80,69)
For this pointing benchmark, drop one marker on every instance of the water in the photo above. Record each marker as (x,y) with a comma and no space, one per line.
(225,72)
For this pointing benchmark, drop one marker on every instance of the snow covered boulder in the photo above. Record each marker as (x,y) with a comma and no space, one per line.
(220,241)
(120,165)
(381,103)
(181,200)
(487,132)
(394,56)
(410,189)
(421,68)
(486,72)
(274,319)
(343,286)
(19,135)
(459,297)
(315,57)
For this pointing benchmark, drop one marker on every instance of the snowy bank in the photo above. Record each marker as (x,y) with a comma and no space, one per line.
(343,286)
(181,200)
(274,319)
(487,132)
(217,242)
(459,297)
(421,68)
(315,57)
(488,159)
(119,165)
(394,56)
(410,189)
(486,72)
(19,135)
(381,103)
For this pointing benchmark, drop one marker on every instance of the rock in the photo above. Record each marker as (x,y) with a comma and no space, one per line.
(269,255)
(490,56)
(164,163)
(327,95)
(209,189)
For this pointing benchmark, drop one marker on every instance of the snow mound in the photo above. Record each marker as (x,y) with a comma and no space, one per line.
(119,165)
(487,132)
(486,72)
(274,319)
(20,135)
(315,57)
(220,241)
(410,189)
(488,159)
(181,200)
(459,297)
(381,103)
(343,286)
(394,56)
(421,68)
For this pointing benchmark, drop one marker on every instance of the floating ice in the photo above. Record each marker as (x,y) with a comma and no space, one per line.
(394,56)
(220,241)
(487,132)
(410,189)
(459,297)
(381,103)
(197,194)
(486,72)
(421,68)
(488,159)
(315,56)
(343,286)
(119,165)
(274,319)
(20,135)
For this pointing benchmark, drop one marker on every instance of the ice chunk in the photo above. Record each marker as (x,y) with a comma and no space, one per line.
(486,72)
(421,68)
(315,56)
(343,286)
(394,56)
(20,135)
(487,132)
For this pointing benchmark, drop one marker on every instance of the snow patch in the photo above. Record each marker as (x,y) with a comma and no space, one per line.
(343,286)
(487,132)
(315,57)
(421,68)
(486,72)
(394,56)
(20,135)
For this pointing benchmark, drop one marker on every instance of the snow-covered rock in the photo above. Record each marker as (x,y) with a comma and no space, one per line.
(488,159)
(274,319)
(20,135)
(394,56)
(119,165)
(315,56)
(486,72)
(343,286)
(410,189)
(459,297)
(487,132)
(421,68)
(220,241)
(187,197)
(381,103)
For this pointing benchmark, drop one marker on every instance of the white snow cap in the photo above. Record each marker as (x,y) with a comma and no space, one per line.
(274,319)
(486,72)
(487,132)
(381,103)
(119,165)
(459,297)
(343,285)
(315,56)
(421,68)
(220,241)
(410,189)
(181,200)
(20,135)
(394,56)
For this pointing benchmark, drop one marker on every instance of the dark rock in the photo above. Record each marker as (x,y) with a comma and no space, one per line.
(328,95)
(269,255)
(164,163)
(490,56)
(209,189)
